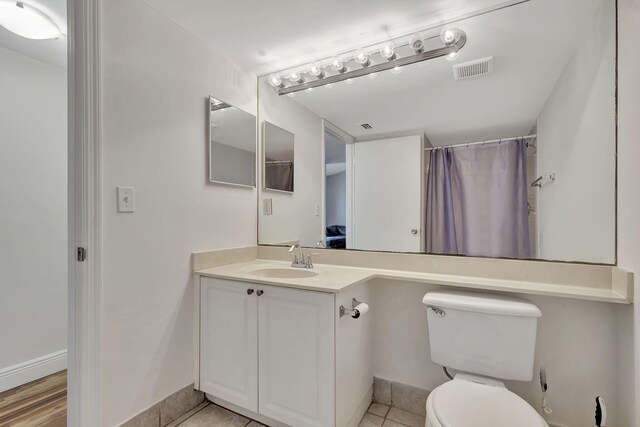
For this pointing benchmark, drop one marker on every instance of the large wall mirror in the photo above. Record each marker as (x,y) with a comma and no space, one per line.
(232,145)
(506,149)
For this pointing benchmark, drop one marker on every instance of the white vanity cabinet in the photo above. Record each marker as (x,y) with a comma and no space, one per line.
(269,350)
(229,342)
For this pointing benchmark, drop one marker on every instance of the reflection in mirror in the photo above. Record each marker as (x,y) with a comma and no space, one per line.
(504,149)
(278,158)
(232,145)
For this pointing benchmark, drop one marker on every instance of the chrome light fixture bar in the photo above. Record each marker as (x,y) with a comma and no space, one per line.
(345,74)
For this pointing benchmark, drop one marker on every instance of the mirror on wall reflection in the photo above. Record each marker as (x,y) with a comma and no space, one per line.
(504,148)
(232,144)
(278,158)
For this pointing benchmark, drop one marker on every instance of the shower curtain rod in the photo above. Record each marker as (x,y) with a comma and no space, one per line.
(273,162)
(489,141)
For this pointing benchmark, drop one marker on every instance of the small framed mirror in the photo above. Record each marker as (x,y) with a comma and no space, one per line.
(278,158)
(232,145)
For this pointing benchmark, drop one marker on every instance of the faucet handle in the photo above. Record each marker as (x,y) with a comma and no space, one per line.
(309,261)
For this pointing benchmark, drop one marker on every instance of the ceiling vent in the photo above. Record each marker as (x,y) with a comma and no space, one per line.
(479,67)
(367,126)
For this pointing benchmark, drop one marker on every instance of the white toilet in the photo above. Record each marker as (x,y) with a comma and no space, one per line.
(486,339)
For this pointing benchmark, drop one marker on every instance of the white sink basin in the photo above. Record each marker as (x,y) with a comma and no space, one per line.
(283,273)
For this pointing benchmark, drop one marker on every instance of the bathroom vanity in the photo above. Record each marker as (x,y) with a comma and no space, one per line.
(278,351)
(273,346)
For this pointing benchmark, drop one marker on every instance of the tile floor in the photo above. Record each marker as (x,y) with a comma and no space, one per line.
(208,414)
(379,415)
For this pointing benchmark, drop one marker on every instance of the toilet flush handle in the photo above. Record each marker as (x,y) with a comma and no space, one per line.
(438,311)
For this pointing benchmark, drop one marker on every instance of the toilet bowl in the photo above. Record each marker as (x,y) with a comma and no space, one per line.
(486,338)
(468,403)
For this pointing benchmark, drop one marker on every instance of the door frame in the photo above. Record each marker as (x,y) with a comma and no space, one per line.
(84,213)
(328,127)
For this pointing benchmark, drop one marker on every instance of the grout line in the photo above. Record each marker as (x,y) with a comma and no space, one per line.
(197,409)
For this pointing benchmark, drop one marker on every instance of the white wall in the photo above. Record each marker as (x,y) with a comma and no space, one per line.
(628,194)
(576,140)
(336,199)
(294,215)
(33,208)
(156,78)
(576,340)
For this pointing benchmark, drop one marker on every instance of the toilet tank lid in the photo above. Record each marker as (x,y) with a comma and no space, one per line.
(482,303)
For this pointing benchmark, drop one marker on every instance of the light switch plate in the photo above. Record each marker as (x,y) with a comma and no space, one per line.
(317,210)
(125,199)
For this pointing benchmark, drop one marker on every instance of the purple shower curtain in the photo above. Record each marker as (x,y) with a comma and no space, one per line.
(477,201)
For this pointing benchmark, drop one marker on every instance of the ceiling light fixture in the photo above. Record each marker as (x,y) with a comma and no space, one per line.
(338,65)
(418,48)
(417,42)
(275,80)
(296,77)
(388,51)
(316,71)
(28,21)
(362,58)
(450,35)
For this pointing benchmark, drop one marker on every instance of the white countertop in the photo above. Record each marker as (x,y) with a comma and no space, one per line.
(334,279)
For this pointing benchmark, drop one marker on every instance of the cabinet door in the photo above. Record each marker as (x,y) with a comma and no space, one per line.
(296,347)
(229,342)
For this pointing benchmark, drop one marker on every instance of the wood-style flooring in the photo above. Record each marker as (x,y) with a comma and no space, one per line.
(41,403)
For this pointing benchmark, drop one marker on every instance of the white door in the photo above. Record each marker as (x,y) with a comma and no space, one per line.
(386,209)
(229,341)
(296,347)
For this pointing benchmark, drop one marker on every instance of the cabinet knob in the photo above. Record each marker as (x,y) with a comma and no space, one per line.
(260,292)
(414,231)
(249,291)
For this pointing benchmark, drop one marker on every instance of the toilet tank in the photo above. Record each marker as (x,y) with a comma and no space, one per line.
(485,334)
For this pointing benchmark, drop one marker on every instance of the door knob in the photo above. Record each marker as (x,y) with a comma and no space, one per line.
(414,231)
(260,293)
(249,291)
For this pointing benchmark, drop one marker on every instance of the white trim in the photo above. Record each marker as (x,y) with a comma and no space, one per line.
(85,292)
(33,369)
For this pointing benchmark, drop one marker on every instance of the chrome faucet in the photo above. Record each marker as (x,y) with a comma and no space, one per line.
(300,261)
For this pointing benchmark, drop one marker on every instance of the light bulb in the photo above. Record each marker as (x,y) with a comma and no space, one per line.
(449,35)
(417,42)
(388,51)
(396,70)
(328,85)
(295,77)
(373,76)
(309,90)
(338,65)
(28,21)
(275,80)
(362,58)
(349,81)
(452,56)
(291,95)
(316,71)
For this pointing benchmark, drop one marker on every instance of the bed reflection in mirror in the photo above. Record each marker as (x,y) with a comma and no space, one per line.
(506,149)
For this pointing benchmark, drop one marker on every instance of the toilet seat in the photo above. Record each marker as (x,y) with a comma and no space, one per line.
(462,403)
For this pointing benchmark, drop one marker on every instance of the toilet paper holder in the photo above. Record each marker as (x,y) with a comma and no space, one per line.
(353,312)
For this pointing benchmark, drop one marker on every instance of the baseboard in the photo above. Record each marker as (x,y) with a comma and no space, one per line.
(361,409)
(31,370)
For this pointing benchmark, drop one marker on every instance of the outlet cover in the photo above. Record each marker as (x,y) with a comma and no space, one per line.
(267,207)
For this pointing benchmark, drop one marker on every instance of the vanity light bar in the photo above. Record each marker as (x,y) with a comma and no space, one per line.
(447,49)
